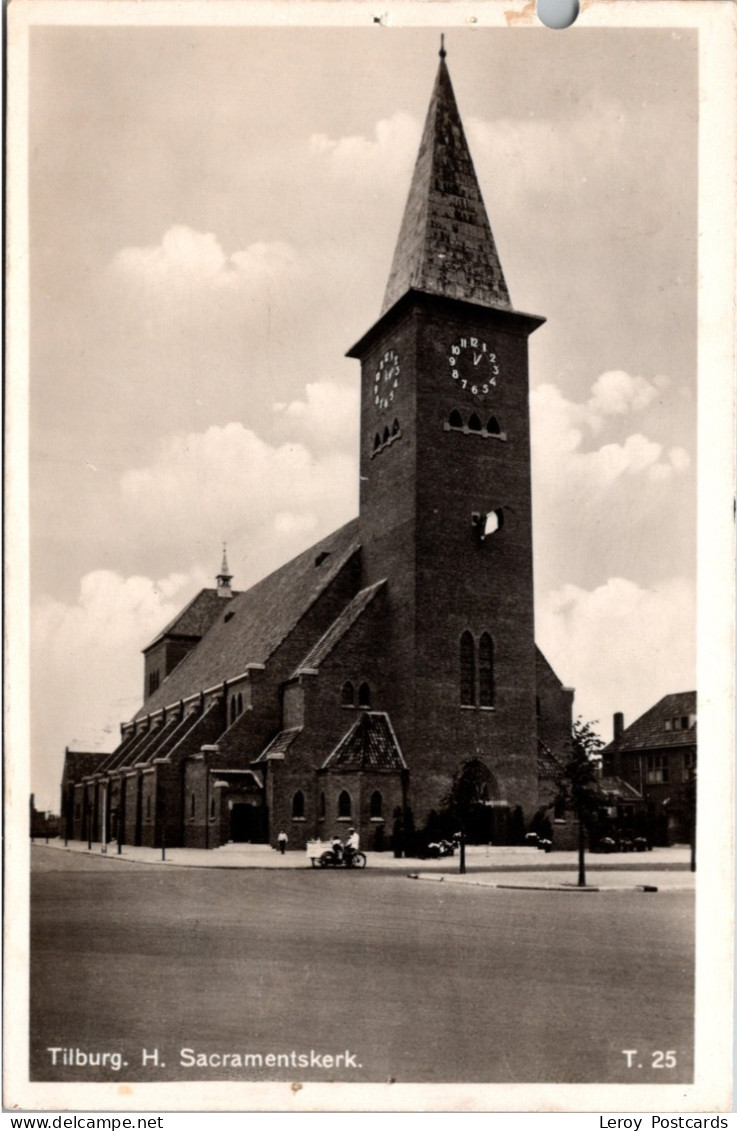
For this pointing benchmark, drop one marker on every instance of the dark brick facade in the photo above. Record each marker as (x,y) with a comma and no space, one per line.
(418,615)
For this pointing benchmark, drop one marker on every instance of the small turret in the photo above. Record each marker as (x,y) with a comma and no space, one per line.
(225,577)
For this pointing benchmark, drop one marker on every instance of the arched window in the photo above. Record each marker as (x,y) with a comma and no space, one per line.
(493,426)
(191,804)
(298,805)
(233,710)
(468,671)
(386,434)
(486,671)
(364,695)
(347,694)
(240,703)
(376,804)
(377,441)
(455,419)
(321,806)
(395,428)
(212,808)
(344,803)
(474,424)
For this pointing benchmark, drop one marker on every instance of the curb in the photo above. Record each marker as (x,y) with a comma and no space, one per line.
(539,887)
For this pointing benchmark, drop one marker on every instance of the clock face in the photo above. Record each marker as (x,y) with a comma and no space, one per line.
(386,379)
(474,365)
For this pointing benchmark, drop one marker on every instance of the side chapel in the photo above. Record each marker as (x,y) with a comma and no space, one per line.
(360,678)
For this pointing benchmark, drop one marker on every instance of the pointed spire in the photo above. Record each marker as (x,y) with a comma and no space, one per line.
(445,243)
(225,577)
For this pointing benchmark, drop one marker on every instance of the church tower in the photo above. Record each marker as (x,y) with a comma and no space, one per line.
(445,507)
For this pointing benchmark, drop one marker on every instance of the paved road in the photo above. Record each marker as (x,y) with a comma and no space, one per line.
(417,981)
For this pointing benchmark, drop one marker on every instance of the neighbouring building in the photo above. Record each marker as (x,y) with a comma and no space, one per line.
(356,682)
(656,755)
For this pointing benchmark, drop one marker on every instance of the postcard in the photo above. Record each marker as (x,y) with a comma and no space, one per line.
(369,497)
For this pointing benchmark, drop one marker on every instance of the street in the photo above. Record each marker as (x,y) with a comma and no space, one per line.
(351,976)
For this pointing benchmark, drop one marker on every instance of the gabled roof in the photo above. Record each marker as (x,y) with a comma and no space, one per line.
(253,624)
(339,627)
(649,732)
(445,244)
(370,744)
(195,618)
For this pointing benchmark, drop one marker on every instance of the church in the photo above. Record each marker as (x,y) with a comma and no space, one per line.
(354,685)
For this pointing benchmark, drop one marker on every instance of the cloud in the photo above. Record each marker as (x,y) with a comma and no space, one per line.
(88,669)
(329,414)
(621,645)
(389,154)
(604,492)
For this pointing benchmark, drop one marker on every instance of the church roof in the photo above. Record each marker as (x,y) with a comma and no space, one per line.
(254,623)
(280,744)
(339,627)
(649,731)
(548,766)
(445,243)
(370,744)
(195,618)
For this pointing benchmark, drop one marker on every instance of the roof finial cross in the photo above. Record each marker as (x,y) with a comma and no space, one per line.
(442,52)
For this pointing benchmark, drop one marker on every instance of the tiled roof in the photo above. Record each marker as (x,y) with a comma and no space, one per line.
(648,732)
(254,623)
(195,618)
(617,787)
(548,765)
(280,744)
(445,244)
(370,744)
(339,627)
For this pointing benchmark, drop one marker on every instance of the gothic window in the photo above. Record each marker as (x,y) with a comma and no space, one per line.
(386,433)
(233,710)
(344,804)
(191,805)
(346,694)
(377,441)
(474,424)
(321,808)
(298,805)
(240,703)
(376,805)
(212,808)
(493,427)
(486,671)
(455,419)
(395,428)
(468,670)
(364,695)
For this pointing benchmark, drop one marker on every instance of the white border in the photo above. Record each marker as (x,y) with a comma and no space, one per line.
(711,1091)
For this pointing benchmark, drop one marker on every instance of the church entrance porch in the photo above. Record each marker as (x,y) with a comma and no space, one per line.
(239,803)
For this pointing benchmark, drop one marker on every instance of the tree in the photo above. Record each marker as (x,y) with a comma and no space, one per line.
(578,785)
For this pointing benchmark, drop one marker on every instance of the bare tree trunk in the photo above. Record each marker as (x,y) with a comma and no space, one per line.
(581,855)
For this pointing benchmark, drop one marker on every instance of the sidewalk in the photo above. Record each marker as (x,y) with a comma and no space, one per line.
(487,866)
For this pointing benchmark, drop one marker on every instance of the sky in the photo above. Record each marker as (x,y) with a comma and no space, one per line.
(213,213)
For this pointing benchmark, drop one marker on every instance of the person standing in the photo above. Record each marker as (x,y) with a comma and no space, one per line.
(281,840)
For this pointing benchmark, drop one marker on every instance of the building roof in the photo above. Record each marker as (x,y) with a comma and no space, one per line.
(649,731)
(195,618)
(347,618)
(253,624)
(370,744)
(445,244)
(280,744)
(548,765)
(619,788)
